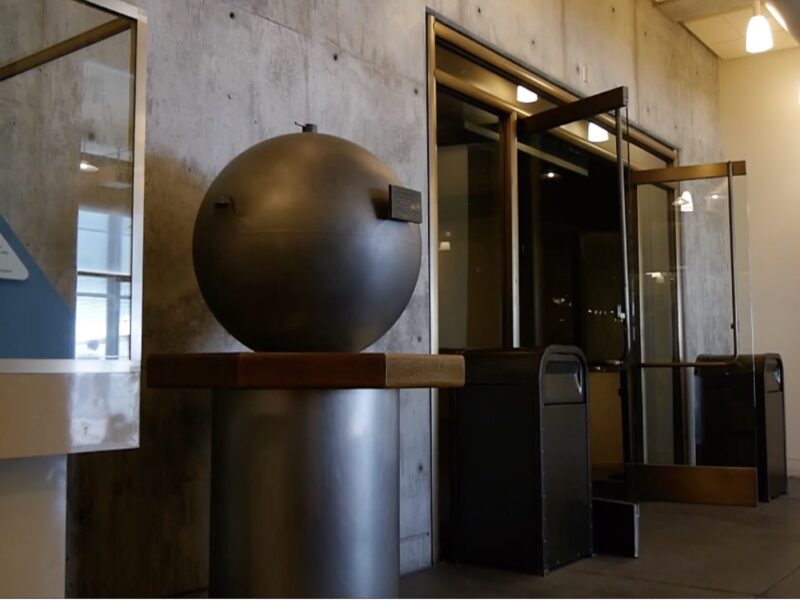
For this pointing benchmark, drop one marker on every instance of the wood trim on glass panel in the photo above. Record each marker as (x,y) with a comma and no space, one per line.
(688,173)
(61,49)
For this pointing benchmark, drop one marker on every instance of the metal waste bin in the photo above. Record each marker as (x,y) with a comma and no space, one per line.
(522,484)
(742,418)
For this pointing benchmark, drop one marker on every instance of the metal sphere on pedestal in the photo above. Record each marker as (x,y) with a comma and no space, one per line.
(293,250)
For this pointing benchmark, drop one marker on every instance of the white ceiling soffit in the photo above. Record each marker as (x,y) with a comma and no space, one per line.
(721,24)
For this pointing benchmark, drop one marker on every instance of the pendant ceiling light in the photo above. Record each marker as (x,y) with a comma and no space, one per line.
(759,35)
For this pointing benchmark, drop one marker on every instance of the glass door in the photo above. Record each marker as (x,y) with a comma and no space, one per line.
(692,293)
(573,259)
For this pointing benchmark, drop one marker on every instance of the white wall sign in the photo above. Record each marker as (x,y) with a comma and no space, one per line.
(11,266)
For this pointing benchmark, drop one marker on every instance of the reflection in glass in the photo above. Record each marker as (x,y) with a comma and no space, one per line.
(658,316)
(570,248)
(66,171)
(471,226)
(102,320)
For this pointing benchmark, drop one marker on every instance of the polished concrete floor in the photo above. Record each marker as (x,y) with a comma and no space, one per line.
(686,551)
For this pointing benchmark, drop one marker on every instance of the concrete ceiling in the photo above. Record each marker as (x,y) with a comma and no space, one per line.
(721,24)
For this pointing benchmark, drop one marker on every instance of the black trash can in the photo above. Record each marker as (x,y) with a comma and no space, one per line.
(741,418)
(522,484)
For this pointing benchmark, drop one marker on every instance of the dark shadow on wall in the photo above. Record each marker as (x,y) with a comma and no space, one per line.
(137,520)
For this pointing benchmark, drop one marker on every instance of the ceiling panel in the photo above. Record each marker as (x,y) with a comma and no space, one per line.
(724,33)
(712,30)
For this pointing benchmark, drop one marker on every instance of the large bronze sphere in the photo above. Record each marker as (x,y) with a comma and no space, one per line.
(292,249)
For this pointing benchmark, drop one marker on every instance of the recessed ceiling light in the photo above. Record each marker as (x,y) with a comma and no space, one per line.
(526,96)
(597,134)
(88,167)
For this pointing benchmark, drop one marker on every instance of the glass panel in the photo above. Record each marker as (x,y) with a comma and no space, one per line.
(687,315)
(104,242)
(33,25)
(658,319)
(706,264)
(471,225)
(103,317)
(66,171)
(571,262)
(744,299)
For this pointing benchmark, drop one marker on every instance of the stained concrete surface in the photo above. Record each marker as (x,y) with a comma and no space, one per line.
(686,551)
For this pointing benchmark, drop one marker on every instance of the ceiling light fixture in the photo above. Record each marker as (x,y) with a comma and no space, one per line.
(776,14)
(759,34)
(551,175)
(87,167)
(597,134)
(526,96)
(685,201)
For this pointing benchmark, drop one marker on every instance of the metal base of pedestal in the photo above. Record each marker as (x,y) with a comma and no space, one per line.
(304,494)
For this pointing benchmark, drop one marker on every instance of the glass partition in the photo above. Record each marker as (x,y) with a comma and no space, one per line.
(572,236)
(472,221)
(67,97)
(694,304)
(571,270)
(659,317)
(30,26)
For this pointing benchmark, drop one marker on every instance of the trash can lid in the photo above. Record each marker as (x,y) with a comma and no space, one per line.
(518,365)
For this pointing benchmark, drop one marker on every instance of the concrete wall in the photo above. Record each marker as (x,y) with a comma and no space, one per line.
(760,110)
(225,74)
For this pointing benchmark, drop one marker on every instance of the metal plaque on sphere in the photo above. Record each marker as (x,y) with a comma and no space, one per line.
(405,204)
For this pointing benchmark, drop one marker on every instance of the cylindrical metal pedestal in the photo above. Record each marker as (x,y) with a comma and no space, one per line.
(304,493)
